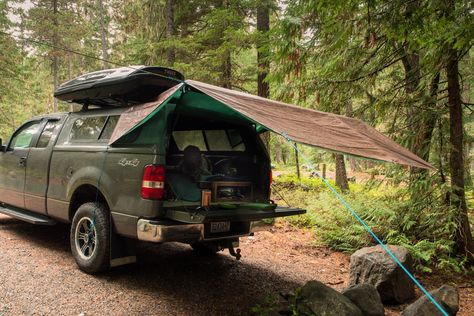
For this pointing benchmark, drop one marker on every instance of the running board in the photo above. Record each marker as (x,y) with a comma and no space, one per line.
(26,216)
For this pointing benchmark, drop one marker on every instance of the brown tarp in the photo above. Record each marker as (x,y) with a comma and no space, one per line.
(136,115)
(320,129)
(325,130)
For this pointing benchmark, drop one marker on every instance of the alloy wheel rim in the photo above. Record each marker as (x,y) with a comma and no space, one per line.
(85,238)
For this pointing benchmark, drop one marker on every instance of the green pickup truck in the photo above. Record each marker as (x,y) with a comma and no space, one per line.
(180,175)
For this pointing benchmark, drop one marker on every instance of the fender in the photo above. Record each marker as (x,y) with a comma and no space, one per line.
(91,176)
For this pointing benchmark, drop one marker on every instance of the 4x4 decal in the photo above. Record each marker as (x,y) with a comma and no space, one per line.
(124,162)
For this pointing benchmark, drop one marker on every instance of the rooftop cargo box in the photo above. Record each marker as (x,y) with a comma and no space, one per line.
(119,86)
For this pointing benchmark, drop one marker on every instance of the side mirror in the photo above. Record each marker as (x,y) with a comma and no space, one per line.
(2,147)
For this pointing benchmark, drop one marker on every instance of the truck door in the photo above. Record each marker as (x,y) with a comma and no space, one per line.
(37,168)
(13,163)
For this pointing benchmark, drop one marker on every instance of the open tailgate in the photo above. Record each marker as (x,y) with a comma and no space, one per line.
(241,214)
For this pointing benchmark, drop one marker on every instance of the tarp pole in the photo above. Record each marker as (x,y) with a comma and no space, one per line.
(364,224)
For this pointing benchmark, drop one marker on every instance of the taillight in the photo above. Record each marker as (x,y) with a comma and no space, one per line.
(153,184)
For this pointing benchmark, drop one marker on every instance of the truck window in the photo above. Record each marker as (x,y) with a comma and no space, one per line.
(86,129)
(224,140)
(210,140)
(185,138)
(22,139)
(218,140)
(109,127)
(47,133)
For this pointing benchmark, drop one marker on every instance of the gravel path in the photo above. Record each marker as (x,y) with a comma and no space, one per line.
(38,275)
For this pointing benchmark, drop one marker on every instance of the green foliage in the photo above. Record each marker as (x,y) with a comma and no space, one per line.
(272,304)
(290,181)
(267,307)
(383,62)
(24,89)
(206,33)
(425,228)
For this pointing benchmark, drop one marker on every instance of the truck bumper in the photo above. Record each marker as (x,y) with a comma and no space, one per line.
(189,227)
(155,231)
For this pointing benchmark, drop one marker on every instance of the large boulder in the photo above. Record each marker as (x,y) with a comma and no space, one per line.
(447,296)
(366,297)
(315,298)
(374,266)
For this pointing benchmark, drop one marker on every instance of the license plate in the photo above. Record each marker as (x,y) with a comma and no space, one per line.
(220,227)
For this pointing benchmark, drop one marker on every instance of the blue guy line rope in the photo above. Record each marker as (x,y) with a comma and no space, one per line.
(412,277)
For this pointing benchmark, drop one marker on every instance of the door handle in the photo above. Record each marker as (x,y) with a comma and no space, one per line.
(22,161)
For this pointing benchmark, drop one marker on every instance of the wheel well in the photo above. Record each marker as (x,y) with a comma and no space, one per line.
(83,194)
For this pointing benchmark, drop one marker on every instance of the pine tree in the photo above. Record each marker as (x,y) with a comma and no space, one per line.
(102,16)
(59,29)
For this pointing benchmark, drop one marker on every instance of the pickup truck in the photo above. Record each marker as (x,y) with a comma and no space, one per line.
(183,176)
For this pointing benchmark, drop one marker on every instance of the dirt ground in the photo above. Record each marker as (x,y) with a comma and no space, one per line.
(38,275)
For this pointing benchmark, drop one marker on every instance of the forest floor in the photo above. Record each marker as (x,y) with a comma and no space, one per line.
(38,275)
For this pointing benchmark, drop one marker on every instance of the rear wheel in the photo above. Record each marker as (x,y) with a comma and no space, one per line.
(90,238)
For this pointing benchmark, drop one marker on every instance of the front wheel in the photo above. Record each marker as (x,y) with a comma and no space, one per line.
(90,238)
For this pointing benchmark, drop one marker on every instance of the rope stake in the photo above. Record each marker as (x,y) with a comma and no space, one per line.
(367,228)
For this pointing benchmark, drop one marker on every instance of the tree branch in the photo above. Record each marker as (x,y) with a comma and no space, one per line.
(370,74)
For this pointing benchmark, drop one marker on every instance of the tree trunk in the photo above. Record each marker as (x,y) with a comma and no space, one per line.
(263,26)
(69,66)
(467,165)
(341,175)
(352,161)
(410,58)
(278,152)
(226,80)
(353,164)
(22,34)
(442,158)
(468,162)
(103,34)
(411,65)
(284,155)
(372,114)
(297,160)
(371,117)
(55,71)
(55,60)
(456,158)
(421,145)
(169,17)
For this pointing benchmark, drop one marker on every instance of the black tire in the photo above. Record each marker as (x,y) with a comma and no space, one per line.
(95,256)
(205,249)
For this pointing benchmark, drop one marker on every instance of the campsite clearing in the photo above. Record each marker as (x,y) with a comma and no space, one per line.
(38,275)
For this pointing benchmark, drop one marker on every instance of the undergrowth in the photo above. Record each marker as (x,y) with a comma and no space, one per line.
(424,225)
